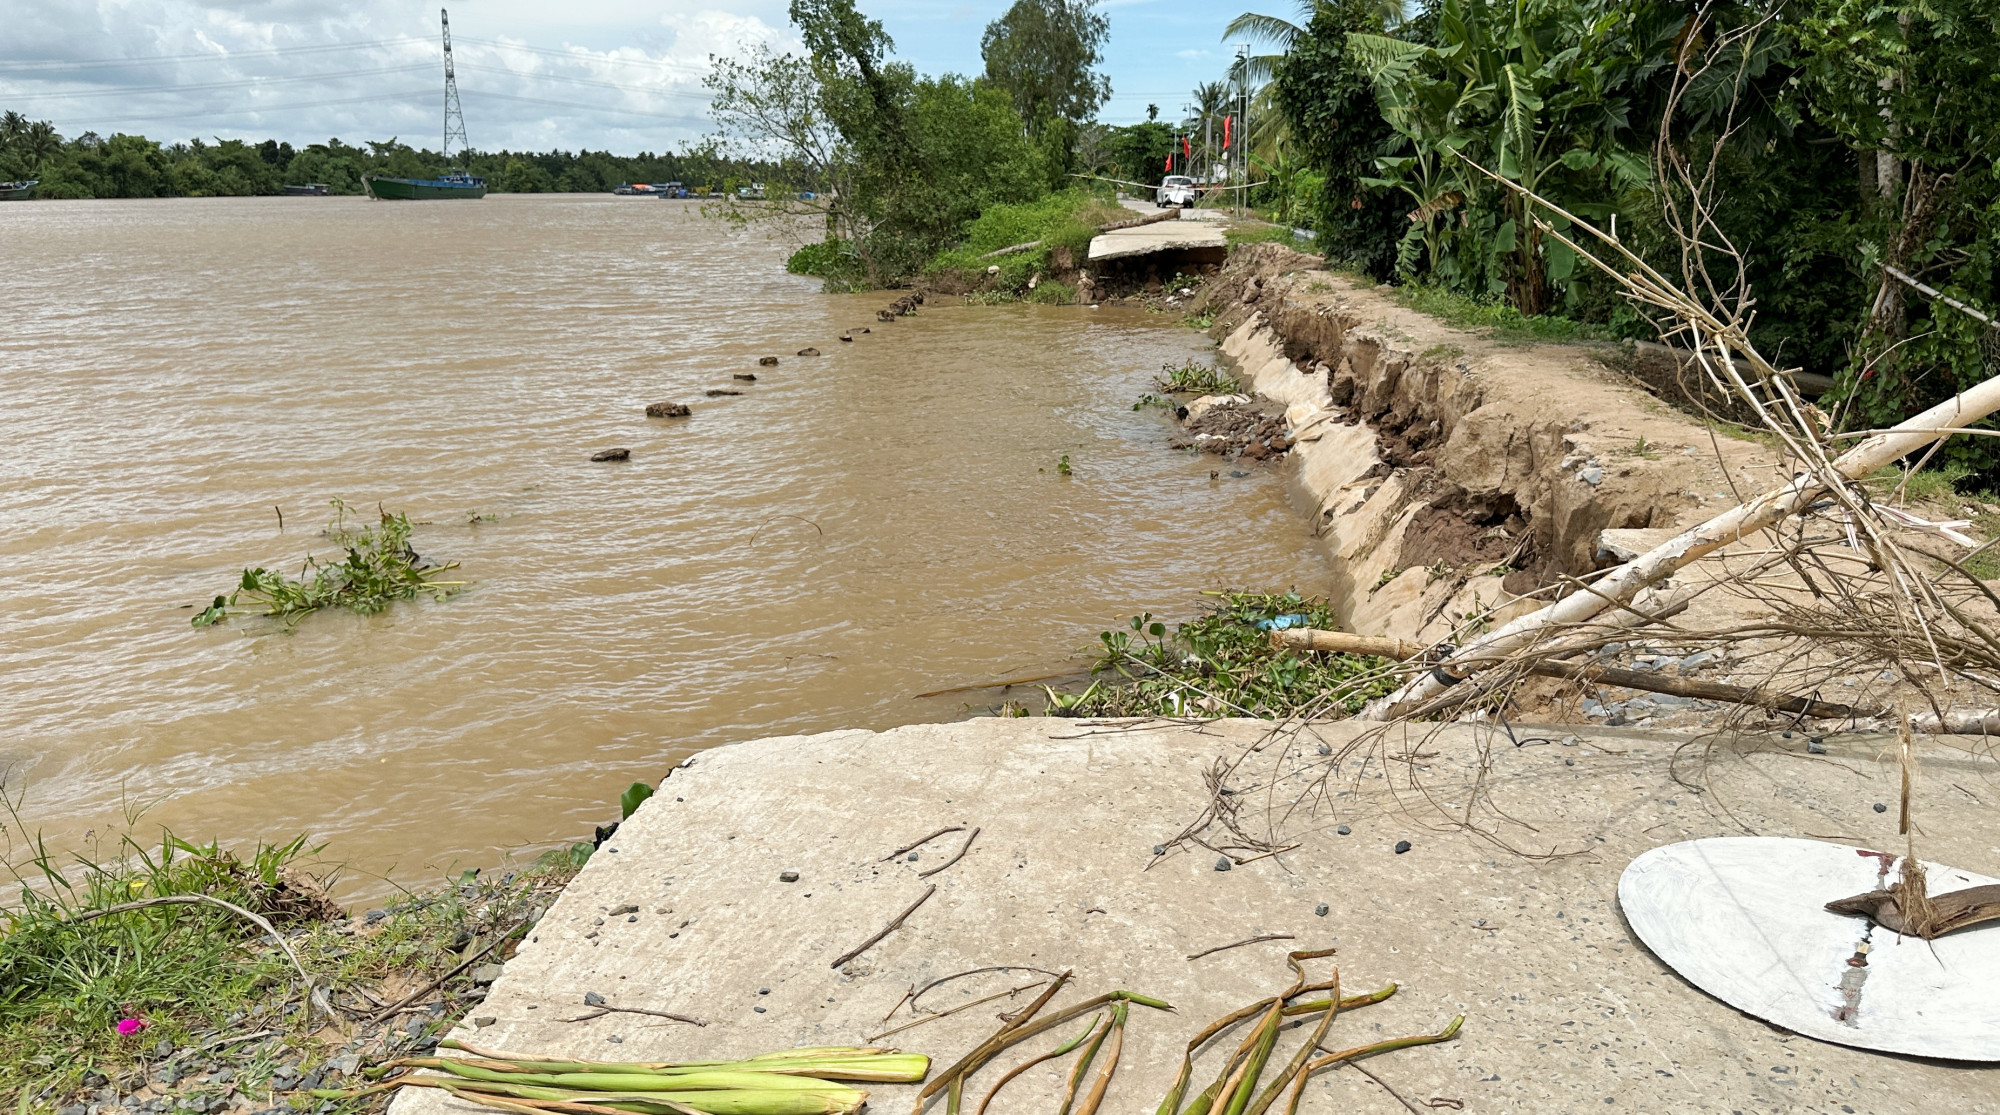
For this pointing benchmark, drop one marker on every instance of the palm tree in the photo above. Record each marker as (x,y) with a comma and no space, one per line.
(1276,31)
(13,126)
(41,143)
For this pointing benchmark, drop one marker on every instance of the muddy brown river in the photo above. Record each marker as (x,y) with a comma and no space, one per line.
(854,529)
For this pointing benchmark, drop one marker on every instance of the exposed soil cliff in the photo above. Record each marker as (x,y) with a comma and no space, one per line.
(1451,472)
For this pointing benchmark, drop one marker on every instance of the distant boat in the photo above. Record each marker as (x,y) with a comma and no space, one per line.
(18,191)
(454,184)
(310,189)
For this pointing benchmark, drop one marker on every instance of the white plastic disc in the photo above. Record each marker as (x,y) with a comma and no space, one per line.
(1743,919)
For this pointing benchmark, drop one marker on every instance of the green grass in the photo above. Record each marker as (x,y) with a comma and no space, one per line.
(1222,664)
(1244,232)
(380,568)
(210,987)
(1195,379)
(1066,219)
(1501,321)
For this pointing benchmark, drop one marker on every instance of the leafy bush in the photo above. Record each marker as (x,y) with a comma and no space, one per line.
(1196,379)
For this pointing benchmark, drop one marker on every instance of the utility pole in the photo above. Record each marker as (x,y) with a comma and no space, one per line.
(454,120)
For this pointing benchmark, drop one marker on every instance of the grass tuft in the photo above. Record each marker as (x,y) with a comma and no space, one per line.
(1195,379)
(1500,320)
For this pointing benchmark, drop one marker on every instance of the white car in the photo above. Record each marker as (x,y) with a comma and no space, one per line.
(1176,190)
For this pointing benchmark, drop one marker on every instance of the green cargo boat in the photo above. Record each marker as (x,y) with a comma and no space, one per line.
(456,184)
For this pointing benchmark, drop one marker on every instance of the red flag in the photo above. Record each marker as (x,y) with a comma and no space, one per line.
(1225,131)
(1170,163)
(1186,151)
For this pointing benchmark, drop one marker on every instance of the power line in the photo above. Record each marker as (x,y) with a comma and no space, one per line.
(25,64)
(240,83)
(585,107)
(406,95)
(572,56)
(529,76)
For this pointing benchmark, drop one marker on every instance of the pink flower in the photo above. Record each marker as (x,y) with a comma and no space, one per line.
(129,1026)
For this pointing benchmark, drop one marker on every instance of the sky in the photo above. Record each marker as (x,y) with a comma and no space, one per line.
(533,74)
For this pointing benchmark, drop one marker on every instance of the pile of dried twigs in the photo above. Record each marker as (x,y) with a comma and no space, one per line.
(1236,1090)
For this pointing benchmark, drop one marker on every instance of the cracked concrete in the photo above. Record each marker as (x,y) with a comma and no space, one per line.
(1564,1010)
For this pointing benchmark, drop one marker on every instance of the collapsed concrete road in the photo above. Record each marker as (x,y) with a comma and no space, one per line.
(684,910)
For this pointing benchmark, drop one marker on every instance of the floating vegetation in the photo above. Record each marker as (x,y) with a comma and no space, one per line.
(1150,401)
(380,569)
(1195,379)
(1224,664)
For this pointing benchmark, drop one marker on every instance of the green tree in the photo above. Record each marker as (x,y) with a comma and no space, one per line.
(1044,54)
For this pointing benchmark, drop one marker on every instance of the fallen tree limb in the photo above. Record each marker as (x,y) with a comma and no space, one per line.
(1340,642)
(1012,248)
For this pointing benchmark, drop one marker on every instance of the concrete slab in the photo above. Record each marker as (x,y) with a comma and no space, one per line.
(1564,1011)
(1165,236)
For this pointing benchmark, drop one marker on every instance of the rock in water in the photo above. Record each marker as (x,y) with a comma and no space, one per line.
(847,338)
(885,315)
(714,391)
(747,377)
(808,352)
(767,361)
(612,455)
(668,410)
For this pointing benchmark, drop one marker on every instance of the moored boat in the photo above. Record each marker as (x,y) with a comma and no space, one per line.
(18,191)
(309,189)
(454,184)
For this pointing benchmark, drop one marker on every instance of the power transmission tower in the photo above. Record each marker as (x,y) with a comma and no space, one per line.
(454,120)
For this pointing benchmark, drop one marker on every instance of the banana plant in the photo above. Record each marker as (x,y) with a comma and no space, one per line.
(1537,91)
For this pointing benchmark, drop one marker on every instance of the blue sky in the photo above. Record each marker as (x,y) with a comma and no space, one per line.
(622,75)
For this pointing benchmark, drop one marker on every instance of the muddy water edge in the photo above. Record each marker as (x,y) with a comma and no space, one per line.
(883,519)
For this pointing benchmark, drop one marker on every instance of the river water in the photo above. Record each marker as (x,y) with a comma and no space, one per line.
(856,528)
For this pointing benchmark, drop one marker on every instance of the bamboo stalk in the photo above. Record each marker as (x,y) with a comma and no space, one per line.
(1082,1066)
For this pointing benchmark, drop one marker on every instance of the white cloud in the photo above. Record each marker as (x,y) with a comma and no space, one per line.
(1192,54)
(624,76)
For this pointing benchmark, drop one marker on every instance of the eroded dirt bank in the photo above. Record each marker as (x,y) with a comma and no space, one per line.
(1452,473)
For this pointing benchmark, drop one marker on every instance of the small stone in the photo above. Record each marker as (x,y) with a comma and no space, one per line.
(759,1010)
(767,361)
(484,1021)
(625,908)
(1222,863)
(668,410)
(485,974)
(913,857)
(808,352)
(632,917)
(617,454)
(746,377)
(788,876)
(1325,750)
(166,1046)
(615,1040)
(1320,910)
(1592,476)
(1402,846)
(1815,747)
(1159,849)
(73,1109)
(763,991)
(375,916)
(1344,830)
(1880,808)
(592,999)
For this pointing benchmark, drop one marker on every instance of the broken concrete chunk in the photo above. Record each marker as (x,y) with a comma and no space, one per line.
(668,410)
(619,454)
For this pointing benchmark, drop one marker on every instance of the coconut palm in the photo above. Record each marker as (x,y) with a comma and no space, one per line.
(41,143)
(1281,33)
(13,126)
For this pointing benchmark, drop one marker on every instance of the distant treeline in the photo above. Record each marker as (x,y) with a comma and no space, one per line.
(91,166)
